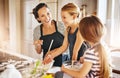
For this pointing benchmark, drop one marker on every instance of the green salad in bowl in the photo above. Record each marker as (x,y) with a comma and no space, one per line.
(40,69)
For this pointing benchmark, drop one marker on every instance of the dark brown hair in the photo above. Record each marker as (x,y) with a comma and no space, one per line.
(35,10)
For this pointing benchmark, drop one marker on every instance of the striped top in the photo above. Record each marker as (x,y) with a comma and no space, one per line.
(92,56)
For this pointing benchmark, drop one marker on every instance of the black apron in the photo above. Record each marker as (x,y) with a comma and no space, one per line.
(58,40)
(72,40)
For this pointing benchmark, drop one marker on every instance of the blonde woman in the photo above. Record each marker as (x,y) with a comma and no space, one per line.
(96,64)
(70,17)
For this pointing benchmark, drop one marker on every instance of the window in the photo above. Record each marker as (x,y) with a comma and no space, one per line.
(113,22)
(115,29)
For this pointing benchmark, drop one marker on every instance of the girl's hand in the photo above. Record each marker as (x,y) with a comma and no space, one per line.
(62,68)
(81,60)
(74,57)
(47,59)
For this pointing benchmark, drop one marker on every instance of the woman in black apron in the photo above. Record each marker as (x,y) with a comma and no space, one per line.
(57,38)
(48,31)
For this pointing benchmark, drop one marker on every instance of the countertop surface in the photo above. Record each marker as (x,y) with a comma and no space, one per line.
(115,60)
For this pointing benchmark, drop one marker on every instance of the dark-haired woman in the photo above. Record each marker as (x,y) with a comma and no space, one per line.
(47,31)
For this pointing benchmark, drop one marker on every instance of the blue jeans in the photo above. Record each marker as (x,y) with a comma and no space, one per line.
(65,57)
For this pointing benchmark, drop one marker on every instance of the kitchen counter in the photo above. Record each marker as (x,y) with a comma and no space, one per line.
(115,62)
(18,60)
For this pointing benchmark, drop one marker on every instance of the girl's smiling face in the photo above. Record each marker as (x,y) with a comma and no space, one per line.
(67,18)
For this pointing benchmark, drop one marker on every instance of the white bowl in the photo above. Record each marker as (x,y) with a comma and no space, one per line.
(48,66)
(76,65)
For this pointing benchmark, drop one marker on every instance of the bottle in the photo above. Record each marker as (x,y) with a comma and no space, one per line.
(10,72)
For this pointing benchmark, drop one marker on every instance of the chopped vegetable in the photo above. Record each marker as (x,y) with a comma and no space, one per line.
(47,76)
(38,62)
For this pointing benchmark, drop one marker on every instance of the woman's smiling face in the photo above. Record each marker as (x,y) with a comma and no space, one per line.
(44,15)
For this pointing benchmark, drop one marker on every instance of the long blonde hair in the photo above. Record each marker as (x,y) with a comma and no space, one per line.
(71,8)
(92,30)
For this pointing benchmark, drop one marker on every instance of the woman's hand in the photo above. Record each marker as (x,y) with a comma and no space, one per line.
(38,44)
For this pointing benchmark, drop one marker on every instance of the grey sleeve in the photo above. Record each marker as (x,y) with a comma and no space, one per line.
(36,33)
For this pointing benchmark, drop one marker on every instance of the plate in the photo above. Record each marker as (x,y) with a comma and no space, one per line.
(54,70)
